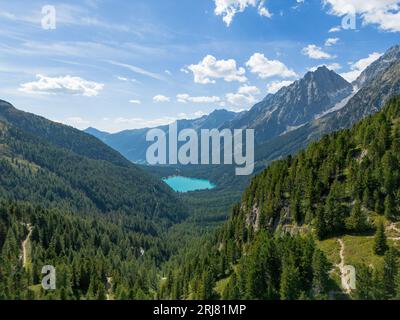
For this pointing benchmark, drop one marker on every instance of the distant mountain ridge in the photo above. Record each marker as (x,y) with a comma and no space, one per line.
(133,145)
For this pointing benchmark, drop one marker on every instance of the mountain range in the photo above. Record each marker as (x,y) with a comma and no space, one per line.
(116,231)
(287,121)
(132,144)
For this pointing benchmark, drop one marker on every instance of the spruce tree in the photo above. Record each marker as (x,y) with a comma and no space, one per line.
(390,270)
(358,220)
(320,223)
(321,267)
(390,211)
(290,287)
(380,242)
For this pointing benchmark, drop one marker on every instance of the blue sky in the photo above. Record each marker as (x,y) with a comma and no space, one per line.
(117,64)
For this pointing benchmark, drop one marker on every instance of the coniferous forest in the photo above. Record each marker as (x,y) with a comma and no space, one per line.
(319,219)
(274,245)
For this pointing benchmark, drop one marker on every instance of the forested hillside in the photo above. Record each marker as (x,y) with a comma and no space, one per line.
(67,175)
(346,184)
(95,257)
(68,200)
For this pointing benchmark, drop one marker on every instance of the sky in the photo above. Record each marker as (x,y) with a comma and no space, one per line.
(117,64)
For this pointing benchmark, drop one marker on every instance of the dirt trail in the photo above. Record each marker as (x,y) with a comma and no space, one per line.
(25,248)
(393,227)
(345,281)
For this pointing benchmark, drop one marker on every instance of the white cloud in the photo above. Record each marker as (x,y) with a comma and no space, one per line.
(185,98)
(331,41)
(135,101)
(229,8)
(76,120)
(358,67)
(266,68)
(240,100)
(384,13)
(210,68)
(125,79)
(335,29)
(123,123)
(331,66)
(315,52)
(135,123)
(248,90)
(137,70)
(161,98)
(275,86)
(65,85)
(245,97)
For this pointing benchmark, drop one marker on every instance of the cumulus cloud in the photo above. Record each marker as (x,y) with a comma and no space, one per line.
(229,8)
(275,86)
(161,98)
(135,101)
(185,98)
(265,68)
(358,67)
(210,68)
(246,89)
(331,41)
(240,100)
(315,52)
(384,13)
(65,85)
(245,97)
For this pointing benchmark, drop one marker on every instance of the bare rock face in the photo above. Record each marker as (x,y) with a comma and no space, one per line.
(295,105)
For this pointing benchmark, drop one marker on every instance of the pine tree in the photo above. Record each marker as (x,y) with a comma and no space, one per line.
(390,270)
(358,220)
(320,223)
(390,211)
(290,281)
(364,289)
(380,242)
(231,291)
(321,267)
(206,292)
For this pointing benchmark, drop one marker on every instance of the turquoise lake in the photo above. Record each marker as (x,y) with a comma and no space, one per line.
(184,184)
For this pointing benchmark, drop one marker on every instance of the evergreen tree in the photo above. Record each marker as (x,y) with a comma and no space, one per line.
(290,286)
(321,268)
(390,269)
(358,221)
(380,242)
(390,210)
(231,291)
(320,223)
(364,279)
